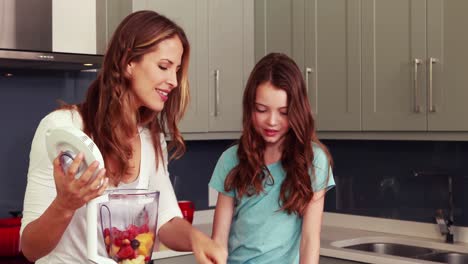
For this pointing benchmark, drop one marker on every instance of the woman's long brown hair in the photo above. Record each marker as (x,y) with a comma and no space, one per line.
(250,175)
(108,110)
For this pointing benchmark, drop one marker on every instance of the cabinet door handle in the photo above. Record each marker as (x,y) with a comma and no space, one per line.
(432,107)
(417,107)
(308,71)
(216,106)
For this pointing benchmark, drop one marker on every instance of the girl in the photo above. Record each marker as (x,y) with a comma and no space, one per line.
(272,184)
(141,89)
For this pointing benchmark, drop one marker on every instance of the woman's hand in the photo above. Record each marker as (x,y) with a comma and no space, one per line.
(178,234)
(41,236)
(207,251)
(74,193)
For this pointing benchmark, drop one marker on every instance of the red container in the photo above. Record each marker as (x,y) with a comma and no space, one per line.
(187,208)
(12,221)
(9,236)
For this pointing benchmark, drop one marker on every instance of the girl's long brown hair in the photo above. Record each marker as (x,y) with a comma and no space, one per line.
(250,175)
(108,110)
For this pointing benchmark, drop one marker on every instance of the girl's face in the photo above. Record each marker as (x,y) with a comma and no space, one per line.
(270,117)
(155,75)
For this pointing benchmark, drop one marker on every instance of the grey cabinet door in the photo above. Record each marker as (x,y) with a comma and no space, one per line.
(231,59)
(323,37)
(110,14)
(275,27)
(187,259)
(393,35)
(332,66)
(447,45)
(192,17)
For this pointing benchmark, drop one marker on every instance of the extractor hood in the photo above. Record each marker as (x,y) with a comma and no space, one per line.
(50,34)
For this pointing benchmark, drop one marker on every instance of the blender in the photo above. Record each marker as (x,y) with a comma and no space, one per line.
(123,220)
(128,220)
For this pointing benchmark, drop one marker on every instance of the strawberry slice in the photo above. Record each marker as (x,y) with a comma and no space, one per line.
(126,252)
(143,229)
(106,232)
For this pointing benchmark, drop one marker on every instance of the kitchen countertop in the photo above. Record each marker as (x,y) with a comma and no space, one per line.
(333,239)
(340,230)
(202,220)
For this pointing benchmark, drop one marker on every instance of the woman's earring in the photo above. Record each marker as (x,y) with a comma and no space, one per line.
(129,69)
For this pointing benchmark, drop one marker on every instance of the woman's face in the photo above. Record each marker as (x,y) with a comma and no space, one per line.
(155,75)
(270,116)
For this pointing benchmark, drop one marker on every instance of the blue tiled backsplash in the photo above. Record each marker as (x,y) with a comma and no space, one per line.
(374,178)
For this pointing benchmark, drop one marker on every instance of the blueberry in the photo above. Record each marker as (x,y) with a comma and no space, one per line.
(135,243)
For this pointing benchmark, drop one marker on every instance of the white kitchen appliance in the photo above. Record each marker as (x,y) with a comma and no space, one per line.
(68,142)
(127,218)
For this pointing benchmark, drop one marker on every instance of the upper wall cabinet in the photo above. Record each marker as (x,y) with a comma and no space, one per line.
(192,17)
(275,28)
(86,26)
(74,27)
(109,15)
(394,52)
(413,65)
(332,66)
(230,53)
(221,39)
(374,65)
(447,53)
(323,37)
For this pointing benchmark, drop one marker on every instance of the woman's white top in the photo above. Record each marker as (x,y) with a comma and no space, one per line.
(41,191)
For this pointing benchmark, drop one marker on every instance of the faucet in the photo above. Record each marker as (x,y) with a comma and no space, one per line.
(446,222)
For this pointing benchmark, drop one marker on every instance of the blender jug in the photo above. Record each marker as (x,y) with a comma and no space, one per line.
(128,220)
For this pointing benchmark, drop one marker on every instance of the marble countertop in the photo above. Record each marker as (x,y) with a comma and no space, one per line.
(167,253)
(339,231)
(333,239)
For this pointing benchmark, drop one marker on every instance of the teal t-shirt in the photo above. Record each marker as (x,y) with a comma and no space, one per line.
(260,232)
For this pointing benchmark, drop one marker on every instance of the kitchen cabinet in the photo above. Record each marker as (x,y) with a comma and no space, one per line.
(327,260)
(187,259)
(86,26)
(448,47)
(74,28)
(109,14)
(192,17)
(393,36)
(332,63)
(413,65)
(190,259)
(323,37)
(231,55)
(374,65)
(221,38)
(275,27)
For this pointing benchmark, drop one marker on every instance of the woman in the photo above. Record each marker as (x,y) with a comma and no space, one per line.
(272,184)
(141,89)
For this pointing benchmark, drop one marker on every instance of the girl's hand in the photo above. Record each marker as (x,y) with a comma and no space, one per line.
(207,251)
(74,193)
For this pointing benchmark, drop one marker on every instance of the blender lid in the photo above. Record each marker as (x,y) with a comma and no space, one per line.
(70,141)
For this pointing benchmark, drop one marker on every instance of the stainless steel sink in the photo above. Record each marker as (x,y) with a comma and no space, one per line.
(414,252)
(447,257)
(392,249)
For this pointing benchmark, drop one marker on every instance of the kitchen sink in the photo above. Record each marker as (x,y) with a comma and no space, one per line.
(393,249)
(415,252)
(447,257)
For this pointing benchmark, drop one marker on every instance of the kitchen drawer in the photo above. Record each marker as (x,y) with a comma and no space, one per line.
(187,259)
(327,260)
